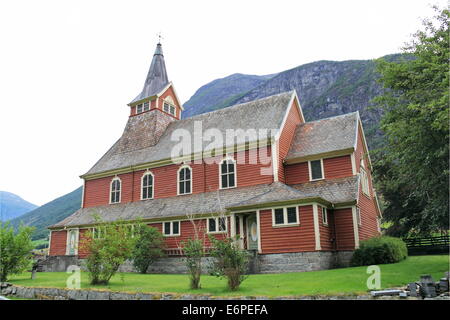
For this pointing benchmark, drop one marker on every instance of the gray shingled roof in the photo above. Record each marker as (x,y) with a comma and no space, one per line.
(266,113)
(156,77)
(335,191)
(325,135)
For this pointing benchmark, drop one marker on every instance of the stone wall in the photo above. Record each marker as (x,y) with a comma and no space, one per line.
(9,290)
(259,263)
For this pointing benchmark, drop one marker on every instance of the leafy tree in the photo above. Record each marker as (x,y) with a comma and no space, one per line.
(230,262)
(148,247)
(15,250)
(194,251)
(412,169)
(108,246)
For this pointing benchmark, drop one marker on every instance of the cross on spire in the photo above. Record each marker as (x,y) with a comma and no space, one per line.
(159,37)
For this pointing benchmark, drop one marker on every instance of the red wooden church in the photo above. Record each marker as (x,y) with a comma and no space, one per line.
(300,195)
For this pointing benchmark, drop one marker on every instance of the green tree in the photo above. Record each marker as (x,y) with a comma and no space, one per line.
(108,246)
(229,262)
(15,250)
(148,247)
(412,168)
(194,251)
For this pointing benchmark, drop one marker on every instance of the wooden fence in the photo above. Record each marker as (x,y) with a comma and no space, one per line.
(428,245)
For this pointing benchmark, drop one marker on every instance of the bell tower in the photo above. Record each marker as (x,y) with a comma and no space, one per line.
(158,93)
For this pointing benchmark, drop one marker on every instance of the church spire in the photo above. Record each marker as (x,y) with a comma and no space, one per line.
(157,76)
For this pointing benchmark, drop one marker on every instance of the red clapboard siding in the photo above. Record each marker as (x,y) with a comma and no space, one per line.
(286,137)
(297,173)
(287,239)
(366,204)
(82,252)
(326,231)
(338,167)
(205,178)
(170,92)
(188,231)
(343,221)
(58,243)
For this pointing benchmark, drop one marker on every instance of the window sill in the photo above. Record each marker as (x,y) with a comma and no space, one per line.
(217,232)
(184,194)
(171,235)
(286,225)
(312,180)
(228,188)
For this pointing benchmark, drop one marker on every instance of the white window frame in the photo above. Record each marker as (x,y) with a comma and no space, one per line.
(358,216)
(221,174)
(77,239)
(141,106)
(364,179)
(145,106)
(169,106)
(178,179)
(285,217)
(217,225)
(147,173)
(324,216)
(310,170)
(171,234)
(110,190)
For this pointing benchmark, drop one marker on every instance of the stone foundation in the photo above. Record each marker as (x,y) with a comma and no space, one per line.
(259,263)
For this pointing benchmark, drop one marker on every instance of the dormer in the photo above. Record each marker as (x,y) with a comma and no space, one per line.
(158,94)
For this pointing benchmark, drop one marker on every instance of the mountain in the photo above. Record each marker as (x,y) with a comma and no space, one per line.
(12,206)
(50,213)
(219,93)
(325,89)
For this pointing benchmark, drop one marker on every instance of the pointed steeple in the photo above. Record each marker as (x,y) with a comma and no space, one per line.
(157,76)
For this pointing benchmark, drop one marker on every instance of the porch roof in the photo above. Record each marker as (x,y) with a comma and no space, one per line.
(221,201)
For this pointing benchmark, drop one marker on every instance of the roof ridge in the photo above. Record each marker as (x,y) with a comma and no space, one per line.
(240,104)
(333,117)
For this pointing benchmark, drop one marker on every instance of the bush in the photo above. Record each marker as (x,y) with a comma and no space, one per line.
(379,250)
(230,262)
(148,247)
(193,250)
(15,250)
(107,247)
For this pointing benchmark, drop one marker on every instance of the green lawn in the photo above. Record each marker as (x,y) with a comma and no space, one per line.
(327,282)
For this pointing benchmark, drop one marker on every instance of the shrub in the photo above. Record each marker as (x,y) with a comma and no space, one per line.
(15,250)
(379,250)
(193,250)
(230,262)
(107,247)
(148,247)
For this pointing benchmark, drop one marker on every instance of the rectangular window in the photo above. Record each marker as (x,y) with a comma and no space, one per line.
(279,216)
(324,216)
(228,174)
(315,169)
(146,106)
(171,228)
(139,108)
(166,107)
(285,216)
(172,110)
(217,225)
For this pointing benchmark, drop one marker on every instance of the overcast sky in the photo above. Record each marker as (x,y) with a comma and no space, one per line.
(69,68)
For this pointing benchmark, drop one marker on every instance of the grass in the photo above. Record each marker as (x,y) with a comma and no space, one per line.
(326,282)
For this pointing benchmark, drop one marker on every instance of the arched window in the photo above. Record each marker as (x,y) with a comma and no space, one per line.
(147,186)
(185,180)
(227,173)
(115,190)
